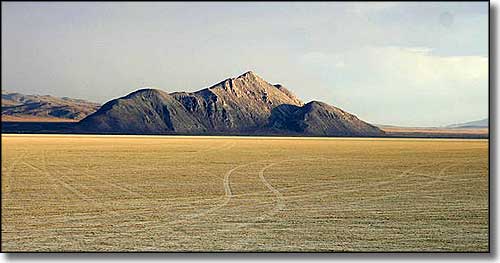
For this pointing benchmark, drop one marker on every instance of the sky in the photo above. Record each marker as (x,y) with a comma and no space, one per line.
(399,63)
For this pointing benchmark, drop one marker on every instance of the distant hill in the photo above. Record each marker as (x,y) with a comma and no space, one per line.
(33,108)
(466,130)
(243,105)
(472,124)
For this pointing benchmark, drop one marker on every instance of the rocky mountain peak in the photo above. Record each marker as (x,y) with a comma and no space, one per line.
(145,92)
(249,75)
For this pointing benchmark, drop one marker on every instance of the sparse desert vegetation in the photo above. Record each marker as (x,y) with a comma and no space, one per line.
(174,193)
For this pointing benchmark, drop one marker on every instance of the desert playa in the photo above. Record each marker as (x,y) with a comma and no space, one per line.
(158,193)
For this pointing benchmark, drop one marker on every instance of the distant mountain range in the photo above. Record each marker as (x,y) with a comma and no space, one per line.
(484,123)
(20,107)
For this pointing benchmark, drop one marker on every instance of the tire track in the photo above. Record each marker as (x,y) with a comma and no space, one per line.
(225,146)
(279,199)
(226,186)
(358,188)
(106,182)
(227,193)
(62,182)
(436,179)
(9,169)
(45,171)
(280,204)
(55,181)
(402,175)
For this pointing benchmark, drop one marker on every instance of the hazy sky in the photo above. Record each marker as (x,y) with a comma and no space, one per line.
(414,64)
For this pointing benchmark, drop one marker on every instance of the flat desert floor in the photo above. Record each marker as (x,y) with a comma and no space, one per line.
(173,193)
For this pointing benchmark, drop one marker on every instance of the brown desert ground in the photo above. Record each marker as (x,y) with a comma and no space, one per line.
(187,193)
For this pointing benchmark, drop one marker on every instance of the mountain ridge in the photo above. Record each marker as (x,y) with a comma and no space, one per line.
(244,104)
(21,107)
(482,123)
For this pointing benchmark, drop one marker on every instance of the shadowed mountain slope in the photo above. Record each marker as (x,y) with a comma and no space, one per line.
(320,119)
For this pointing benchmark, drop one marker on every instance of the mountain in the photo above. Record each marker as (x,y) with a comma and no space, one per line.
(472,124)
(321,119)
(20,107)
(246,104)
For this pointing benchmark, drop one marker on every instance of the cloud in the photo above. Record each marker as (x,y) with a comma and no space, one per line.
(364,8)
(405,86)
(422,50)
